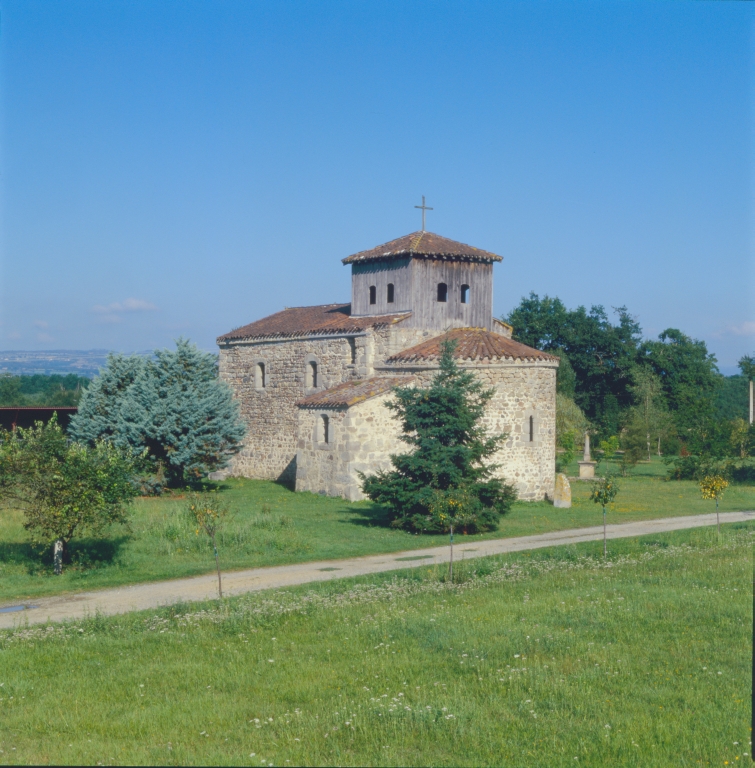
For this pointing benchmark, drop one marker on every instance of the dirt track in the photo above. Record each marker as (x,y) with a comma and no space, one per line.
(145,596)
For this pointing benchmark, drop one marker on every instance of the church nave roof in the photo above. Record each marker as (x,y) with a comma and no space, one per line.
(308,321)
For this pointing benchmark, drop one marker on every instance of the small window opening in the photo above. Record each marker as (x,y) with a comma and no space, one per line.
(324,429)
(532,429)
(259,376)
(442,292)
(353,350)
(373,294)
(312,374)
(390,293)
(464,294)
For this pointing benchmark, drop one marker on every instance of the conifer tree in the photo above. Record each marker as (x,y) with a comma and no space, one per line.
(446,479)
(174,406)
(99,408)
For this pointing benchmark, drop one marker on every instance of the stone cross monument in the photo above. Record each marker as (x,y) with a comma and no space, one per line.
(586,466)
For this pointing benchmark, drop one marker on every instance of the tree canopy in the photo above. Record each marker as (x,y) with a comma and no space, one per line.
(64,488)
(600,354)
(606,360)
(173,406)
(41,389)
(447,474)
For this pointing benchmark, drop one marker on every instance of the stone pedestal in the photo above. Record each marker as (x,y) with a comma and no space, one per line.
(562,492)
(587,469)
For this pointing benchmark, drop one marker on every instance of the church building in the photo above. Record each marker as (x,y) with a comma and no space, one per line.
(312,382)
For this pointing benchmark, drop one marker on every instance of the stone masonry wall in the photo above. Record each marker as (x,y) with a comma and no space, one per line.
(363,436)
(277,430)
(270,413)
(361,439)
(522,389)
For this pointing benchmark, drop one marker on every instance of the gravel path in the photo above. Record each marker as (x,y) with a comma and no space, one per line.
(145,596)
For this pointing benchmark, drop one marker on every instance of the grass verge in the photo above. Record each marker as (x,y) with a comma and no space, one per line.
(270,525)
(551,658)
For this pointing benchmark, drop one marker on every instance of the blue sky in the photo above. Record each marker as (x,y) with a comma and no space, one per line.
(182,168)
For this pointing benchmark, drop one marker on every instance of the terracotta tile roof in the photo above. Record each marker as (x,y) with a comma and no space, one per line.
(471,344)
(423,244)
(353,392)
(305,321)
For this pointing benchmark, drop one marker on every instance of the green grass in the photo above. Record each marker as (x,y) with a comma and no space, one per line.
(549,659)
(299,527)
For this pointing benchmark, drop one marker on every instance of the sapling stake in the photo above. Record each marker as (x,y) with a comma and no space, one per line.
(713,487)
(217,565)
(451,561)
(604,492)
(208,514)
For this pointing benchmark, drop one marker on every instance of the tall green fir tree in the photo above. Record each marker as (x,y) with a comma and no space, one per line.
(172,405)
(446,479)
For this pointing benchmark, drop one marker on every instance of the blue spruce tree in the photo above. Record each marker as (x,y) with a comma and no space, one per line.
(178,410)
(97,417)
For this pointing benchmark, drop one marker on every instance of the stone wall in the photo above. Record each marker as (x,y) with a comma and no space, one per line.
(270,412)
(522,390)
(278,431)
(360,439)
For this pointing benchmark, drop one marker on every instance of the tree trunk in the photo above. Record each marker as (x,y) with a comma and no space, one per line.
(604,533)
(718,521)
(659,445)
(57,556)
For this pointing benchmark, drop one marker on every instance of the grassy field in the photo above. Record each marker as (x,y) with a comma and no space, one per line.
(553,659)
(162,544)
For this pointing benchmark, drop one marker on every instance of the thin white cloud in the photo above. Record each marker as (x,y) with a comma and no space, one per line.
(14,335)
(743,329)
(41,324)
(129,305)
(44,337)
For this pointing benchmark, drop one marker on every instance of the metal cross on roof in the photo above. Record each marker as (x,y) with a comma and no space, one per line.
(424,208)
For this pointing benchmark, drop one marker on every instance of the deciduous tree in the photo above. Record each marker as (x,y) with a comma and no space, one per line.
(66,489)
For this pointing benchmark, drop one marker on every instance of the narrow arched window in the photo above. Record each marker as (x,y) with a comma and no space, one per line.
(464,294)
(532,429)
(259,376)
(390,293)
(324,429)
(373,294)
(442,292)
(312,374)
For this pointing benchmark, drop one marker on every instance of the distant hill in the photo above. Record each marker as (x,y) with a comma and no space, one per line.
(81,362)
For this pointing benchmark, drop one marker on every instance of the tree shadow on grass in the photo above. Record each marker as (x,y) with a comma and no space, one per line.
(83,554)
(368,516)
